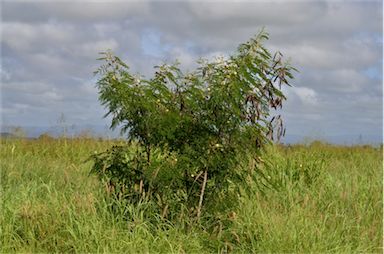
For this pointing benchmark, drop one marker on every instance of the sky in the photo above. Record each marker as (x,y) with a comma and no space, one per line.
(49,51)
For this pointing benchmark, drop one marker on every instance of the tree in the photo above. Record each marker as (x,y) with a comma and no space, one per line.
(200,123)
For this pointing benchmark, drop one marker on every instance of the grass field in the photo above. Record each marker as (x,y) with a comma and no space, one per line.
(323,199)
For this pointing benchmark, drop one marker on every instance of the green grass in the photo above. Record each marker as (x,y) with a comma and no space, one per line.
(317,198)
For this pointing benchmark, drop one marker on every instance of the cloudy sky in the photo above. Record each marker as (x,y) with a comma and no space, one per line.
(49,51)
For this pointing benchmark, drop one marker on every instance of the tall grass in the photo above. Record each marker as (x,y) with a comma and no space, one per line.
(317,198)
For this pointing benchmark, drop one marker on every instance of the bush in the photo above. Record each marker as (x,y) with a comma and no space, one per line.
(188,131)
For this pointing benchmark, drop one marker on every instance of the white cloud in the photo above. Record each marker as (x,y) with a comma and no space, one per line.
(186,58)
(24,87)
(338,81)
(51,96)
(49,52)
(91,49)
(262,12)
(306,95)
(4,75)
(24,37)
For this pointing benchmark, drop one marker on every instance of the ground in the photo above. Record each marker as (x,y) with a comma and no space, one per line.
(314,198)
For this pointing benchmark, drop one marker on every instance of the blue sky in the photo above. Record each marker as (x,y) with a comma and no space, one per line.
(49,51)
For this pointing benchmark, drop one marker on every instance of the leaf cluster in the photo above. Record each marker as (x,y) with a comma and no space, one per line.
(205,119)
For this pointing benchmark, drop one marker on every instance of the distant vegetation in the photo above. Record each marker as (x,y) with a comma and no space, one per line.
(8,135)
(325,199)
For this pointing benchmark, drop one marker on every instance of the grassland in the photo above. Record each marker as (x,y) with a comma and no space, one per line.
(321,198)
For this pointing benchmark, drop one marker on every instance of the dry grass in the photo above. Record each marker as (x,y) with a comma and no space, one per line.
(51,204)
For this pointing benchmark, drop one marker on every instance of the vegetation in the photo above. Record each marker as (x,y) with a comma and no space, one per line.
(198,173)
(190,130)
(51,204)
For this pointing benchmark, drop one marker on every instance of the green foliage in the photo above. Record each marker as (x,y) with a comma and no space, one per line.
(206,120)
(285,174)
(49,204)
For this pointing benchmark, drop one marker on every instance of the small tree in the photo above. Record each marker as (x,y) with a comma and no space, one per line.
(191,129)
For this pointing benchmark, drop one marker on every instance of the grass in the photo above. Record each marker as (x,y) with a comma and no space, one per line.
(317,198)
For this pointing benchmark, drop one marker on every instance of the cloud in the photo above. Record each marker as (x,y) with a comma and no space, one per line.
(73,11)
(91,49)
(49,52)
(353,52)
(25,37)
(306,95)
(5,75)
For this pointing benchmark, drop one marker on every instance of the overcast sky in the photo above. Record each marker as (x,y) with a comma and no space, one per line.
(49,51)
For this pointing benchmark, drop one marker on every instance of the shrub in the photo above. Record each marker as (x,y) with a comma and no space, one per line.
(188,131)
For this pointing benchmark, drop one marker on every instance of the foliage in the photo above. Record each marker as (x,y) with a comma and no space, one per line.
(49,204)
(203,119)
(284,174)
